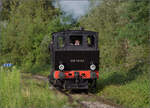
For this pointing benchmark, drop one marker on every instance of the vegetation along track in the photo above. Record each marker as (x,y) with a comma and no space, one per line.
(83,100)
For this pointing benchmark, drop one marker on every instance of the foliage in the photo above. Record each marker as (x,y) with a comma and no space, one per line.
(27,32)
(135,19)
(123,28)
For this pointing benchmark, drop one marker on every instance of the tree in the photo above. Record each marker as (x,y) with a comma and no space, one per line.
(27,33)
(122,26)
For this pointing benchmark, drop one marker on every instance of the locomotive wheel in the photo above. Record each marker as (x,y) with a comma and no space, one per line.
(92,86)
(51,78)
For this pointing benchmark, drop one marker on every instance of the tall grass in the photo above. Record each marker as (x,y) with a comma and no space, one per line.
(37,94)
(18,92)
(10,89)
(130,89)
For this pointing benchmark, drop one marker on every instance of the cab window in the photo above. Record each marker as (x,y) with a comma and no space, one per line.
(91,41)
(76,40)
(60,42)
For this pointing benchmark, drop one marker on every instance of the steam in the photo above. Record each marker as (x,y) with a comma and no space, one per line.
(76,8)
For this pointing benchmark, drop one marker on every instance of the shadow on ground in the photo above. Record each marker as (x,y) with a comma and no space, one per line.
(120,78)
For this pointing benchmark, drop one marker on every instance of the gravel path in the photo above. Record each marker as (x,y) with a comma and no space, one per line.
(97,105)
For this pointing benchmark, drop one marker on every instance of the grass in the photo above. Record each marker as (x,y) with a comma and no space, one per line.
(10,89)
(130,89)
(38,94)
(16,92)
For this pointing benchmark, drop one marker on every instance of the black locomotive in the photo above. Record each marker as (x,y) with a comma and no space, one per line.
(75,59)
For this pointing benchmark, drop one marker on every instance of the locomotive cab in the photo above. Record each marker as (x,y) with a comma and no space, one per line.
(75,59)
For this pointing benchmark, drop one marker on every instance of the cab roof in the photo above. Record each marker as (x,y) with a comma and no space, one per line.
(73,32)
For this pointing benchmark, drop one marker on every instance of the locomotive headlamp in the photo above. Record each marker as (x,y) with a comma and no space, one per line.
(61,67)
(92,67)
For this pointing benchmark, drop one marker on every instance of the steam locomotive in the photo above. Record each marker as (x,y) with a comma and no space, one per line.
(75,59)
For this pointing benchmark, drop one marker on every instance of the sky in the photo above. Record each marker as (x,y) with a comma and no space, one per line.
(77,8)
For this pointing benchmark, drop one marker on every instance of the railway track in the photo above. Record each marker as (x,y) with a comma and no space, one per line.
(99,102)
